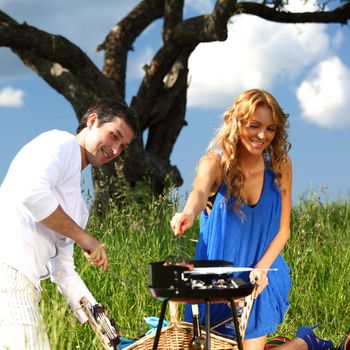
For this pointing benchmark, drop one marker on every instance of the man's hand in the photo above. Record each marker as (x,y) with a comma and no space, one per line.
(101,323)
(94,251)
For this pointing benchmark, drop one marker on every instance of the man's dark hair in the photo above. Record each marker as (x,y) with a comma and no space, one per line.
(107,111)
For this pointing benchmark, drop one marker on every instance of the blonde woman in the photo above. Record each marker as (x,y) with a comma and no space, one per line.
(243,189)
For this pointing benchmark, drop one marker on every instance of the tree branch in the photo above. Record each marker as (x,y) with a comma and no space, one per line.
(172,122)
(186,36)
(339,15)
(207,28)
(54,48)
(213,27)
(152,86)
(122,36)
(172,17)
(61,80)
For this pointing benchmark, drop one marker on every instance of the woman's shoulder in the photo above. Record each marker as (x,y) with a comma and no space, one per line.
(285,179)
(210,162)
(209,170)
(213,156)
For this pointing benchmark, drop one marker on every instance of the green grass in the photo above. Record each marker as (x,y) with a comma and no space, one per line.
(137,234)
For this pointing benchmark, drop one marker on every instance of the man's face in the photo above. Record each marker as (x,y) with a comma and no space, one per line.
(104,142)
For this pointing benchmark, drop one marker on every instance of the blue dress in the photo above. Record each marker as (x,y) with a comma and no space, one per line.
(224,235)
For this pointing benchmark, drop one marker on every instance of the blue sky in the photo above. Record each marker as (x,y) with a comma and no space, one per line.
(306,67)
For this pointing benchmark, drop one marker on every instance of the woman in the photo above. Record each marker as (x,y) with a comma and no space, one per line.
(243,189)
(246,175)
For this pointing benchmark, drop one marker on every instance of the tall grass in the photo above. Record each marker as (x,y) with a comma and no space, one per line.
(136,234)
(319,256)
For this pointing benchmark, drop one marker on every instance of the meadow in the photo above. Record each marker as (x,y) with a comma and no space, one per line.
(138,232)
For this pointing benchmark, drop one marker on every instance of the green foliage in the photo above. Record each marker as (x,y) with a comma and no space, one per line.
(138,233)
(319,256)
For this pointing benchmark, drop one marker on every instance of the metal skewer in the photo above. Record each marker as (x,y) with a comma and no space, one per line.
(116,275)
(221,270)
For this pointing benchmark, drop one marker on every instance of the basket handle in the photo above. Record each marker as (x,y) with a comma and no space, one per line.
(174,311)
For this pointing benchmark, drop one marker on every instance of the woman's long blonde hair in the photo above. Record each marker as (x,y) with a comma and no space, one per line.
(226,140)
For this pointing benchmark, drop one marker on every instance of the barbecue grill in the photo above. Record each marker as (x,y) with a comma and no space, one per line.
(200,281)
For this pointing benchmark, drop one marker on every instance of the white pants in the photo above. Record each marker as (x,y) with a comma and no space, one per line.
(20,325)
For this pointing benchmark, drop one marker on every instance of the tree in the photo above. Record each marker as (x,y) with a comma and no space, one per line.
(160,102)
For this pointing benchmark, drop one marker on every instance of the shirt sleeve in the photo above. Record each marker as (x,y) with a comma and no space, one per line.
(46,164)
(68,281)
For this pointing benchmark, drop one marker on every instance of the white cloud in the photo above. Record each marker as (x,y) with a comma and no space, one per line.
(324,96)
(10,97)
(302,6)
(256,54)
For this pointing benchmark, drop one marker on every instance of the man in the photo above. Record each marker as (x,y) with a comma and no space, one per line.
(42,214)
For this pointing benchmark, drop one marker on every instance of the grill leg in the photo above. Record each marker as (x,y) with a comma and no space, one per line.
(160,323)
(235,322)
(207,324)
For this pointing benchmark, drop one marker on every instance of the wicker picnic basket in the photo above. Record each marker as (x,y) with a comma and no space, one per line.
(178,334)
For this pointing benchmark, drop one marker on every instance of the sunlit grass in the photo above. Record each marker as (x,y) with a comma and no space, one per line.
(137,234)
(319,256)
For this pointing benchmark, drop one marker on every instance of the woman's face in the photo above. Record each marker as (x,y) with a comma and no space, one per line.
(104,142)
(257,133)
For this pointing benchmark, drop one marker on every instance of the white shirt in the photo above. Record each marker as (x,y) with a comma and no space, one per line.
(44,174)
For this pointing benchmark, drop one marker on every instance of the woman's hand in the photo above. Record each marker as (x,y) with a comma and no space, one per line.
(94,251)
(181,222)
(260,279)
